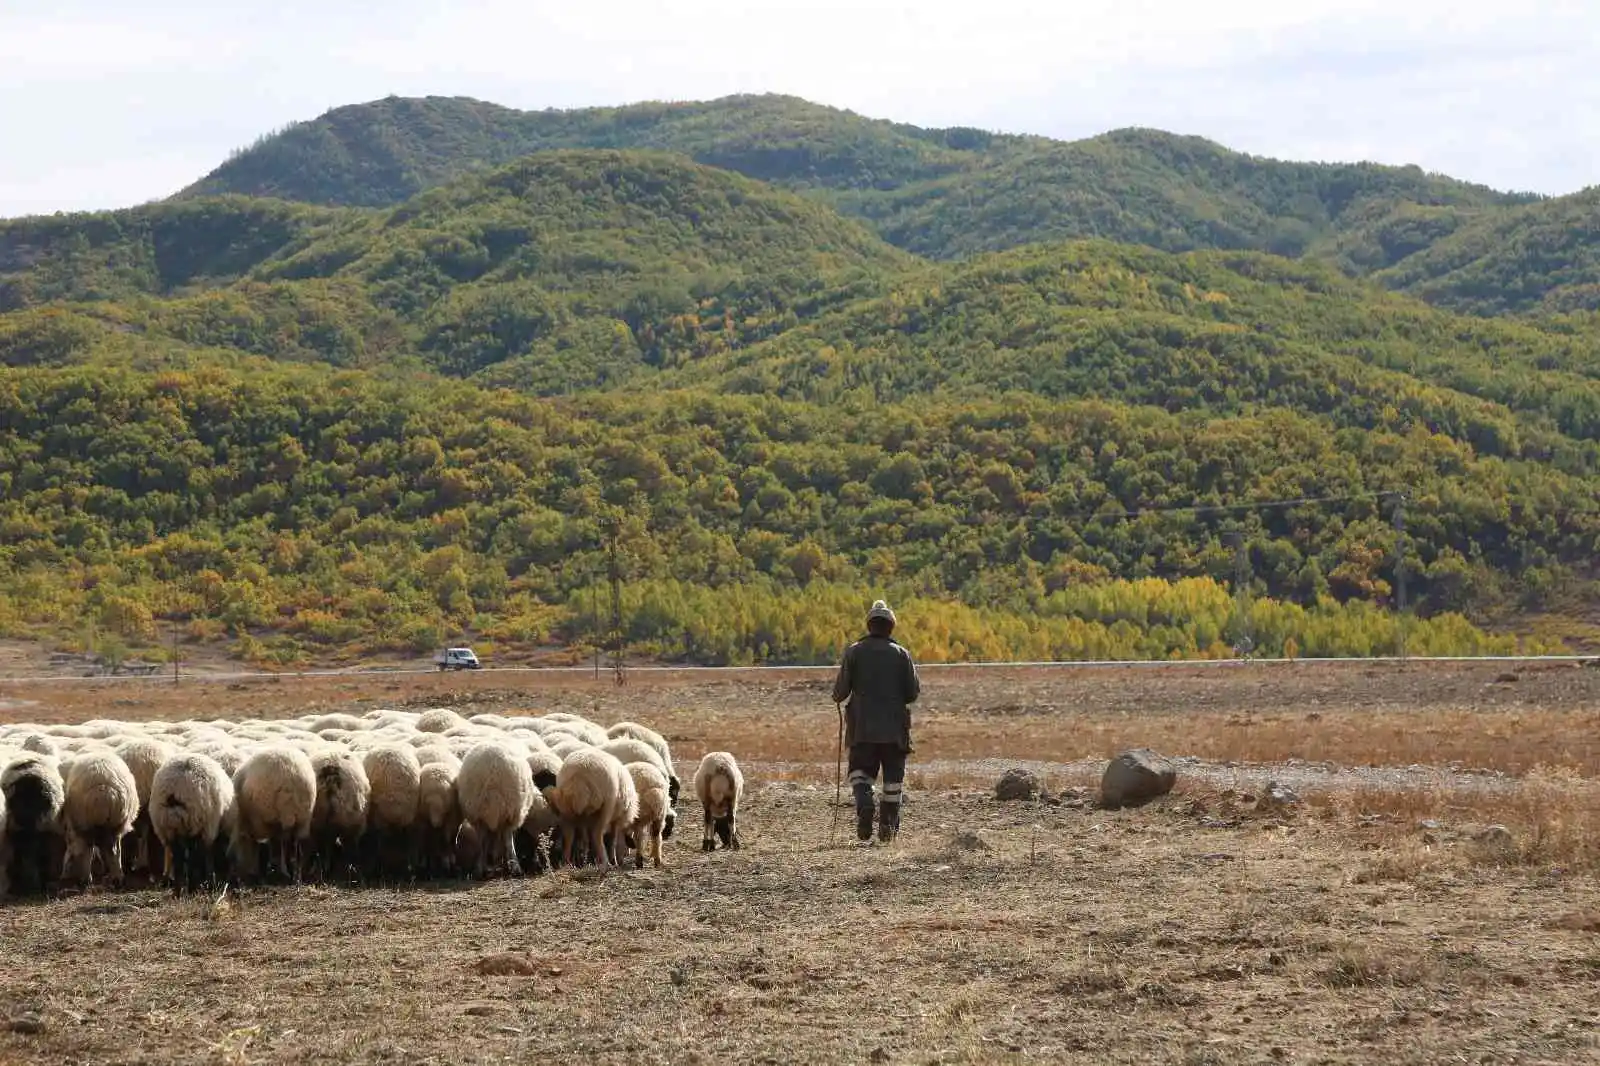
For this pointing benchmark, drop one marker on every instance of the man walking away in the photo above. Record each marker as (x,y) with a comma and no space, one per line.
(879,679)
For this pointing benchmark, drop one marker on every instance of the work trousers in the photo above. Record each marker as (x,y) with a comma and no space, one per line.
(866,760)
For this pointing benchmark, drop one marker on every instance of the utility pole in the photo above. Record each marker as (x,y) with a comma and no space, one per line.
(174,625)
(1243,642)
(594,619)
(1400,569)
(614,569)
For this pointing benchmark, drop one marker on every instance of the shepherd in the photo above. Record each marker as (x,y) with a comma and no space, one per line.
(879,680)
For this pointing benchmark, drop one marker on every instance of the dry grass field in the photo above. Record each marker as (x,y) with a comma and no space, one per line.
(1367,923)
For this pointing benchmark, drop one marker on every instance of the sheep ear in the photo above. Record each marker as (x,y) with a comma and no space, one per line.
(544,779)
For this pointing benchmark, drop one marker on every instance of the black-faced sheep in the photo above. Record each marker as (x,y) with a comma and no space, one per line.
(191,811)
(275,792)
(719,786)
(101,804)
(495,787)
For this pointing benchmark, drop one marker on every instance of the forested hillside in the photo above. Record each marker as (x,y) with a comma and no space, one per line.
(952,193)
(307,430)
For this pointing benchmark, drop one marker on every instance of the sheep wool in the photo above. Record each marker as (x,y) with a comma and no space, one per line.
(276,793)
(34,795)
(100,805)
(638,732)
(191,803)
(586,795)
(652,811)
(438,810)
(339,815)
(495,787)
(144,756)
(719,786)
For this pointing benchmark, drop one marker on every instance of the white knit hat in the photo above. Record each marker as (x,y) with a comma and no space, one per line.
(880,609)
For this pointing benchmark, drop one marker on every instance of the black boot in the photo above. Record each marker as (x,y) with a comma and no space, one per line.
(864,812)
(888,822)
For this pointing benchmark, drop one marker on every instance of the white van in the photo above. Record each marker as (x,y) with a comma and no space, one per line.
(457,659)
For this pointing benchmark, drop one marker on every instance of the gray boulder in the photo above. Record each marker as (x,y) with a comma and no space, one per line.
(1018,784)
(1135,777)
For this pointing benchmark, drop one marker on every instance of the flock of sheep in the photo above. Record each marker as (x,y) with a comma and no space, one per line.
(389,794)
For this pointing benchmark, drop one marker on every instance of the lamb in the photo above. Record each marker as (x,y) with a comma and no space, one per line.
(495,787)
(656,741)
(191,808)
(396,778)
(719,785)
(438,809)
(586,795)
(339,815)
(276,793)
(34,796)
(101,803)
(653,813)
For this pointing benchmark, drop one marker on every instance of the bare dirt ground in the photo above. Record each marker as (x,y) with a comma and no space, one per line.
(1367,923)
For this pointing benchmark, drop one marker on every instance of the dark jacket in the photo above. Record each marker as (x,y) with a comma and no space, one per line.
(880,682)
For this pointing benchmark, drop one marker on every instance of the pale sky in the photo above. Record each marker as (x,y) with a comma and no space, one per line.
(107,103)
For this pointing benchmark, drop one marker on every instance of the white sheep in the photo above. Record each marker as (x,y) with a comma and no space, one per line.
(34,795)
(276,792)
(438,719)
(495,787)
(719,786)
(658,742)
(144,756)
(101,803)
(577,726)
(653,812)
(396,778)
(586,795)
(438,810)
(339,815)
(191,812)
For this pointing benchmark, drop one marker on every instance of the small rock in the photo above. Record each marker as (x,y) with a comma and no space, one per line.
(969,842)
(1495,838)
(878,1055)
(1507,678)
(505,964)
(1429,823)
(1018,784)
(31,1024)
(1135,777)
(480,1010)
(1276,797)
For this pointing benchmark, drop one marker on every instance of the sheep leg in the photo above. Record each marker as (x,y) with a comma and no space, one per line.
(656,833)
(508,843)
(568,831)
(114,860)
(597,843)
(708,842)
